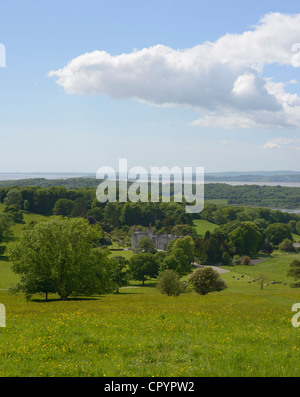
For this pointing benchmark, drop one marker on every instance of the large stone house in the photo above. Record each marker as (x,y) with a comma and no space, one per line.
(160,241)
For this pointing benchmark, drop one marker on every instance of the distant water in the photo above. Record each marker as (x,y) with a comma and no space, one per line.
(66,175)
(289,211)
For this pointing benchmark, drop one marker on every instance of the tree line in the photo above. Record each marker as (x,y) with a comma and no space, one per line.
(252,195)
(83,203)
(255,195)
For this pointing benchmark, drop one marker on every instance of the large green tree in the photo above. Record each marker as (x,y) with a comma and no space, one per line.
(63,207)
(247,238)
(187,245)
(119,273)
(146,245)
(142,266)
(14,197)
(63,253)
(277,232)
(207,249)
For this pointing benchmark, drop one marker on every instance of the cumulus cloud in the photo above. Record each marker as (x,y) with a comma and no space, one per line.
(222,79)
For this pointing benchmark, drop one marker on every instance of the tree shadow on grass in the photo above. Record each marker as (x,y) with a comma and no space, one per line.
(127,293)
(4,258)
(72,299)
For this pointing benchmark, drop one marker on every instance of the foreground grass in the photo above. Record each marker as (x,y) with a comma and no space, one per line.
(7,277)
(241,331)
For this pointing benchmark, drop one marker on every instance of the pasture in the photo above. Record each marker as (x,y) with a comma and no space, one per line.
(242,331)
(202,226)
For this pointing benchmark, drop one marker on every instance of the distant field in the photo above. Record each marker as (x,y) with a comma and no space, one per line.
(125,253)
(217,201)
(296,237)
(202,226)
(277,267)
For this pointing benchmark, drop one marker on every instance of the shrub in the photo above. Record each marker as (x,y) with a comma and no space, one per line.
(236,260)
(286,245)
(294,271)
(168,283)
(206,280)
(246,260)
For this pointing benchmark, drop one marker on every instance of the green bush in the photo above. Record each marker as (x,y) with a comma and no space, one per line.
(246,260)
(286,245)
(206,280)
(169,283)
(236,260)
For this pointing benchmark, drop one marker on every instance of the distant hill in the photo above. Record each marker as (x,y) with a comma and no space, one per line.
(251,194)
(77,180)
(70,183)
(255,176)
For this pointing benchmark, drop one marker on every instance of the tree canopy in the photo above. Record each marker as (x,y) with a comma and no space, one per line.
(63,253)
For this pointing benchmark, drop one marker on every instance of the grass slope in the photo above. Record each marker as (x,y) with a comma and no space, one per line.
(276,266)
(202,226)
(241,331)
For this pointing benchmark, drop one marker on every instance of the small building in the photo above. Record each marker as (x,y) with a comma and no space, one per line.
(296,246)
(160,241)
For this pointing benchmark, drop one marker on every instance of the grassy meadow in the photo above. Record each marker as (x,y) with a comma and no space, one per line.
(202,226)
(242,331)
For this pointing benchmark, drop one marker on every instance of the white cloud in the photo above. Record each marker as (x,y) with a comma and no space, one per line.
(280,142)
(224,121)
(222,80)
(271,145)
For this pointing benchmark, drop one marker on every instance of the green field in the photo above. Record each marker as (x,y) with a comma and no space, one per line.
(241,331)
(296,238)
(202,226)
(217,201)
(276,266)
(125,253)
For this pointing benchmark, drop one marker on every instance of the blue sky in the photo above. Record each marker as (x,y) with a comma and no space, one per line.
(150,88)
